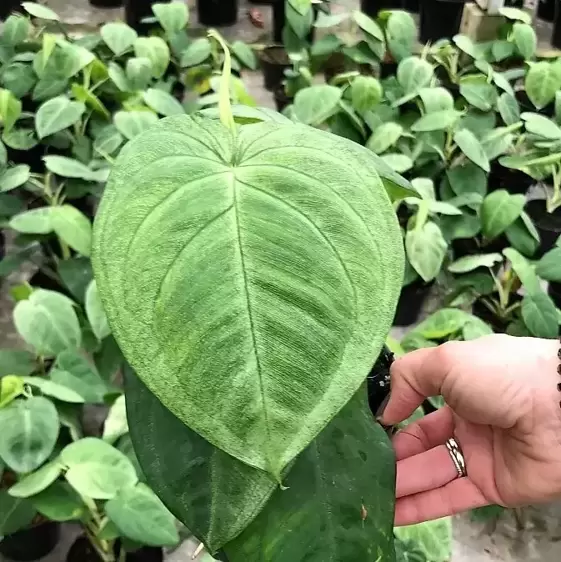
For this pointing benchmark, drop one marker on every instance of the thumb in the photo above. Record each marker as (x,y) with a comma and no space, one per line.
(414,377)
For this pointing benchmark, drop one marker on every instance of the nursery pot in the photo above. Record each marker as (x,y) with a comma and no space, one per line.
(514,181)
(9,6)
(411,301)
(136,11)
(440,19)
(274,61)
(281,99)
(217,13)
(546,10)
(412,6)
(31,544)
(547,224)
(82,551)
(106,3)
(378,380)
(372,7)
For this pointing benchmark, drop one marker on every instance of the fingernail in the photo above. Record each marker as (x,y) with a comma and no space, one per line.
(382,407)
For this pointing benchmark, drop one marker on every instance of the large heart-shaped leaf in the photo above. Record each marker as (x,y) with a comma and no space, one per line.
(192,477)
(339,501)
(29,433)
(272,260)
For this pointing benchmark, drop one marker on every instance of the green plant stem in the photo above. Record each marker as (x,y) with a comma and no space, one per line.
(224,105)
(66,255)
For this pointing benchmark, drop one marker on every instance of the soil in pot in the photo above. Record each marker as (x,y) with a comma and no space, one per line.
(274,61)
(281,99)
(440,19)
(106,3)
(217,13)
(378,380)
(31,544)
(547,224)
(83,551)
(514,181)
(411,301)
(546,10)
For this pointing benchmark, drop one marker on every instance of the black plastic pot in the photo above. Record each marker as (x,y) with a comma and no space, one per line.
(9,6)
(106,3)
(546,10)
(274,61)
(440,19)
(547,224)
(372,7)
(82,551)
(136,11)
(411,301)
(31,544)
(281,99)
(217,13)
(514,181)
(388,69)
(556,35)
(378,380)
(412,6)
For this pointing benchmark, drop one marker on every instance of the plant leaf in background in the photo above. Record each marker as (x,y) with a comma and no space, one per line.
(433,538)
(540,315)
(542,82)
(155,49)
(36,481)
(426,248)
(15,513)
(47,321)
(173,16)
(193,478)
(118,36)
(95,312)
(57,114)
(498,211)
(172,168)
(29,433)
(339,502)
(314,105)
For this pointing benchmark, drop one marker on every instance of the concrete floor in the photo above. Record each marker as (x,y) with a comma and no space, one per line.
(536,535)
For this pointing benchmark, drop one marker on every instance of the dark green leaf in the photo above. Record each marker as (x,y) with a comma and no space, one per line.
(499,210)
(540,315)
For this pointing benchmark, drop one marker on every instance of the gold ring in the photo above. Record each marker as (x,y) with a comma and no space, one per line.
(457,457)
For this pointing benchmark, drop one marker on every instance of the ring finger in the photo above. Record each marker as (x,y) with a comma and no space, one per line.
(426,471)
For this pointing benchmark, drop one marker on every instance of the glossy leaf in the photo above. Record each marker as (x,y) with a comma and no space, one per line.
(141,517)
(14,177)
(132,123)
(469,263)
(155,49)
(72,227)
(59,502)
(549,266)
(115,425)
(541,126)
(540,315)
(471,147)
(29,433)
(316,104)
(366,92)
(542,82)
(162,102)
(36,481)
(426,249)
(50,388)
(77,373)
(10,110)
(338,504)
(40,11)
(193,478)
(478,92)
(498,211)
(47,321)
(96,469)
(173,16)
(255,208)
(525,39)
(118,36)
(95,312)
(56,115)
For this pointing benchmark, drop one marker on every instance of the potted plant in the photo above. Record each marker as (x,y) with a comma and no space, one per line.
(8,7)
(440,19)
(217,13)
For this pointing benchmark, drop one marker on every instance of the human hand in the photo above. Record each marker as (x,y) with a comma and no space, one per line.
(502,407)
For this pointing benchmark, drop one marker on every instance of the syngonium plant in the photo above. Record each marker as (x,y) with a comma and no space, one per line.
(250,275)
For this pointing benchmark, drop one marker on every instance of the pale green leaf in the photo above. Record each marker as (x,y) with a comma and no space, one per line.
(436,121)
(469,263)
(118,36)
(115,425)
(426,249)
(478,92)
(414,73)
(13,177)
(523,269)
(366,92)
(173,16)
(36,221)
(70,168)
(29,433)
(11,387)
(368,25)
(316,104)
(58,391)
(436,99)
(10,110)
(132,123)
(540,315)
(162,102)
(59,502)
(508,108)
(434,538)
(253,198)
(155,49)
(96,313)
(525,39)
(36,481)
(73,228)
(40,11)
(471,147)
(549,266)
(542,82)
(384,137)
(498,211)
(196,53)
